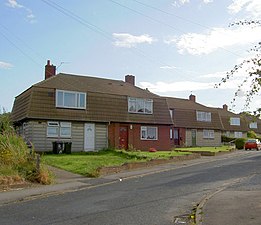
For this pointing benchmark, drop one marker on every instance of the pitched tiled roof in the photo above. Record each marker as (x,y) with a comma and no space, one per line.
(184,114)
(107,101)
(92,84)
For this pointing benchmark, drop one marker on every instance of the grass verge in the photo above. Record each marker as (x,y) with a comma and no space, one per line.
(207,149)
(87,163)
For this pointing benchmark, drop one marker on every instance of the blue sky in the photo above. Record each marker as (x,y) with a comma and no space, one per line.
(174,48)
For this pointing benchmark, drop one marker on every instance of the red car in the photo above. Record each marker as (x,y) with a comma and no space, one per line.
(253,144)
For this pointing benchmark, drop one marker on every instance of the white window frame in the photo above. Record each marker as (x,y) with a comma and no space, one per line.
(234,121)
(77,99)
(253,125)
(171,133)
(60,127)
(145,130)
(65,126)
(238,134)
(140,105)
(50,126)
(203,116)
(208,134)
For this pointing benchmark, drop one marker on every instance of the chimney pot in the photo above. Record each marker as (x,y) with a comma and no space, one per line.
(50,70)
(130,79)
(225,107)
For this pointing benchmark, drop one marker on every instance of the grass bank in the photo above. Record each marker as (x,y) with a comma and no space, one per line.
(87,163)
(17,162)
(207,149)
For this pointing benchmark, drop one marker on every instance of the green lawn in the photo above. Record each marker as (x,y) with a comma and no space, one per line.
(207,149)
(87,163)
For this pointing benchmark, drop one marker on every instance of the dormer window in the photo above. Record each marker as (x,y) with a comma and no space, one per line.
(253,125)
(140,105)
(204,116)
(70,99)
(235,121)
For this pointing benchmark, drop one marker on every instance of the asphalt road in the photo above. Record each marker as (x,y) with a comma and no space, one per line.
(154,199)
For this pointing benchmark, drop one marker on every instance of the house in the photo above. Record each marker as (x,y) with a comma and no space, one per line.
(237,125)
(91,113)
(194,124)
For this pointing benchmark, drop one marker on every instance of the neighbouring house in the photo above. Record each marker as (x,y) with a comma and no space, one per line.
(237,125)
(194,124)
(91,113)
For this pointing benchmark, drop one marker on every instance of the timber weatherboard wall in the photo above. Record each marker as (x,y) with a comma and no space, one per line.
(36,131)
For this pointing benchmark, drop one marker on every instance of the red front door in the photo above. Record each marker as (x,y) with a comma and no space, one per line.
(123,142)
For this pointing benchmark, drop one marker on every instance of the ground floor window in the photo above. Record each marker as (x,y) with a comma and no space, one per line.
(58,129)
(238,134)
(149,133)
(208,134)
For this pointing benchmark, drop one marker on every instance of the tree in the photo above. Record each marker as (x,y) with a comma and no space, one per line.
(5,122)
(253,70)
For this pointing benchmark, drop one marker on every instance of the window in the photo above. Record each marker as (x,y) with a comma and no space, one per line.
(204,116)
(170,134)
(70,99)
(52,129)
(238,134)
(171,113)
(208,134)
(149,133)
(235,121)
(56,129)
(253,125)
(140,105)
(65,129)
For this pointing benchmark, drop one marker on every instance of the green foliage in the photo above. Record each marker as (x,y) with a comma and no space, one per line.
(5,123)
(251,134)
(253,71)
(17,159)
(240,142)
(225,139)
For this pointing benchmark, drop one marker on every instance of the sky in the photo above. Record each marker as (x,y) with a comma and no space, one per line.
(173,48)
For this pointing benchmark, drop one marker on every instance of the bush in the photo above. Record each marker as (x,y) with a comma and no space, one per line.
(17,159)
(240,142)
(226,139)
(251,134)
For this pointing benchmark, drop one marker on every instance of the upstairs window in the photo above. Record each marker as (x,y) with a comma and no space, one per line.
(253,125)
(235,121)
(204,116)
(70,99)
(140,105)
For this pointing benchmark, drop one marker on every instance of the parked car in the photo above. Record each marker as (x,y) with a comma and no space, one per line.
(253,144)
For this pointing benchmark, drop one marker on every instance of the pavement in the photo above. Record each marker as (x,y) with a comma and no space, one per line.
(228,205)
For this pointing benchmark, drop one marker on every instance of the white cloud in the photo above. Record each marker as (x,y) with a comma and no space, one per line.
(15,5)
(252,7)
(5,65)
(214,75)
(128,41)
(207,1)
(168,67)
(198,44)
(162,87)
(180,3)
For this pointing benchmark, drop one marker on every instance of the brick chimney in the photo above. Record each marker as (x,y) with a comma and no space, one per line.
(130,79)
(225,107)
(192,98)
(50,70)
